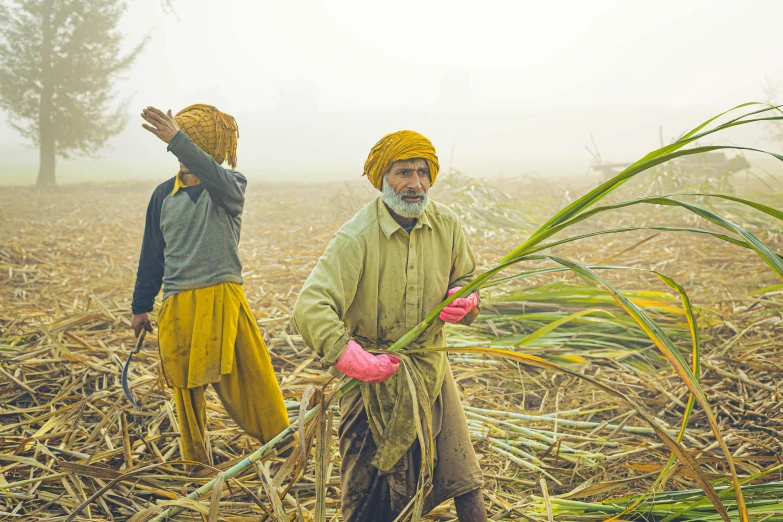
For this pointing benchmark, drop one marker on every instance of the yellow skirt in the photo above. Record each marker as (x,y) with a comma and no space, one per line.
(209,336)
(197,331)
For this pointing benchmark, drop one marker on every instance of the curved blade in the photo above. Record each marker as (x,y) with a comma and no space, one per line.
(125,387)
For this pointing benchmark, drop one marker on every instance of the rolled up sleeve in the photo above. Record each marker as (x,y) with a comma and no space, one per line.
(329,291)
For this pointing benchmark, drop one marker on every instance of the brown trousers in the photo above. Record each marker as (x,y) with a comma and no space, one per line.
(368,495)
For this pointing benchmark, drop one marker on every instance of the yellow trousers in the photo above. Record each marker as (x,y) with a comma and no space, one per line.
(209,336)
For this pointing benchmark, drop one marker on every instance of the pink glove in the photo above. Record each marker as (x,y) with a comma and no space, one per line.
(459,308)
(360,364)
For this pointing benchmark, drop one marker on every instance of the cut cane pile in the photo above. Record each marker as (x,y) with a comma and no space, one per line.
(67,267)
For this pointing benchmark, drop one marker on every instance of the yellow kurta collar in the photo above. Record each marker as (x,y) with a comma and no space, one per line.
(178,184)
(388,224)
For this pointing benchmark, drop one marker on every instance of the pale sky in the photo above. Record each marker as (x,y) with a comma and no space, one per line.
(513,87)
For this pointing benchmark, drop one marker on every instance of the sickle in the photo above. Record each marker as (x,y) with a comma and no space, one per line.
(125,387)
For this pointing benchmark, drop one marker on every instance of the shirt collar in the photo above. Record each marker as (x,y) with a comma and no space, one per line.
(178,184)
(389,226)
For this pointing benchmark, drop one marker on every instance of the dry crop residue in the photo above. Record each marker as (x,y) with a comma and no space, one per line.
(67,267)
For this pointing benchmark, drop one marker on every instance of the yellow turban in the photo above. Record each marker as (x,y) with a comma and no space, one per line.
(398,146)
(215,132)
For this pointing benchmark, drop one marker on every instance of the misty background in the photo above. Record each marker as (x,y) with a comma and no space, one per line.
(502,88)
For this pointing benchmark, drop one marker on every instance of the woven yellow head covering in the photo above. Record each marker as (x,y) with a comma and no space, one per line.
(398,146)
(215,132)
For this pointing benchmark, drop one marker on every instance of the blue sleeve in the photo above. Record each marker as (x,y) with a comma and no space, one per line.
(225,187)
(149,276)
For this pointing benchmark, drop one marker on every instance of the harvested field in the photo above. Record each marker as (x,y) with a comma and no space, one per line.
(67,267)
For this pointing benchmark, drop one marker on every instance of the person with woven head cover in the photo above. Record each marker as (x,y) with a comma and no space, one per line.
(397,259)
(206,331)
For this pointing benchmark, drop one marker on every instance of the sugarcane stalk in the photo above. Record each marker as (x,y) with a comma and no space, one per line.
(523,441)
(509,434)
(490,423)
(523,463)
(565,453)
(566,422)
(264,451)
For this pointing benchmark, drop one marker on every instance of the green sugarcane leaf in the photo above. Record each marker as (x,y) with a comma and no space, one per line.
(685,457)
(659,337)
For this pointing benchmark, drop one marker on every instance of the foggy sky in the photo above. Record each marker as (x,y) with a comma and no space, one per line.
(506,88)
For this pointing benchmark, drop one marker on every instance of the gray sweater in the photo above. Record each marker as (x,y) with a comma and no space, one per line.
(191,236)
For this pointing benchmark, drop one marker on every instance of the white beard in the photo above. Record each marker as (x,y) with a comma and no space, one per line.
(401,207)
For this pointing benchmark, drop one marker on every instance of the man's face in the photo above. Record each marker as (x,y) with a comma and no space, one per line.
(409,179)
(405,187)
(183,169)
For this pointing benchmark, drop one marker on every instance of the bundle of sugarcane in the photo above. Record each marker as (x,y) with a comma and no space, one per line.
(571,323)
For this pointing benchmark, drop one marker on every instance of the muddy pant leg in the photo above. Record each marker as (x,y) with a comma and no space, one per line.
(250,393)
(365,493)
(458,471)
(471,507)
(192,420)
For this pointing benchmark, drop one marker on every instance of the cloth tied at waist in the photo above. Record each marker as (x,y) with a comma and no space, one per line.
(389,405)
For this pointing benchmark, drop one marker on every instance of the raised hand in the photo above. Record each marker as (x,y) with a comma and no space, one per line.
(163,125)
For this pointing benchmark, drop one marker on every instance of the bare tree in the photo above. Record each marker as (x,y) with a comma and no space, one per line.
(59,61)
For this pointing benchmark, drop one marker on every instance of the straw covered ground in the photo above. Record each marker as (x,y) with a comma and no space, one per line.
(67,267)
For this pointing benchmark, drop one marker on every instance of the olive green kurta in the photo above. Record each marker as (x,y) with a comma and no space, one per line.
(373,284)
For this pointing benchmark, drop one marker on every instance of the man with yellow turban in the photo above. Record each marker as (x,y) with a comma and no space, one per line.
(381,274)
(206,331)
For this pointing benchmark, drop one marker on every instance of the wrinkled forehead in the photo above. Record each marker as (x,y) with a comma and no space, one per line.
(410,164)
